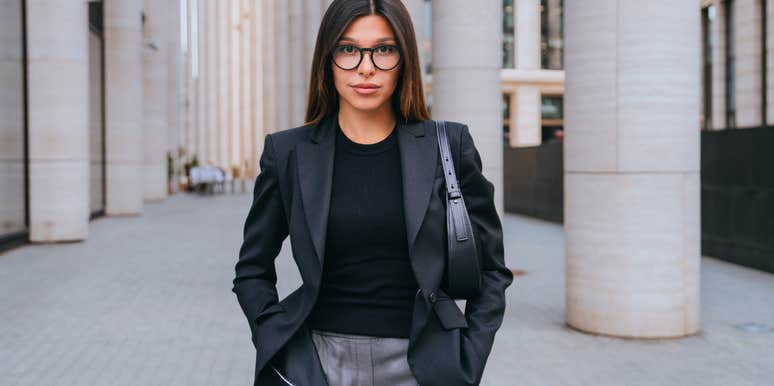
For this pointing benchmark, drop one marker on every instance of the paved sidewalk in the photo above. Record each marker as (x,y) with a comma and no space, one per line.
(147,301)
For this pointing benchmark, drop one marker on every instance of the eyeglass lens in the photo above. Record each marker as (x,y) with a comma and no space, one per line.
(348,56)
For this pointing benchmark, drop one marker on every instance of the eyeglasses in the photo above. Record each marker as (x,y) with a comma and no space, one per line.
(348,56)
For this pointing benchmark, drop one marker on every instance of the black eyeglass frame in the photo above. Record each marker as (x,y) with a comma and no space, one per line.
(371,50)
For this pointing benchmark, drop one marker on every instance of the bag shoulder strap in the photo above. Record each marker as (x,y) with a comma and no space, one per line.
(449,174)
(463,270)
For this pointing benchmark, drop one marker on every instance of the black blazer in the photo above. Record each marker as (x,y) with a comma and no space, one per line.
(292,196)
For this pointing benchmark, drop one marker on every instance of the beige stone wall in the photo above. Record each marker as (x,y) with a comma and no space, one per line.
(467,77)
(123,106)
(155,88)
(65,110)
(58,125)
(632,208)
(253,76)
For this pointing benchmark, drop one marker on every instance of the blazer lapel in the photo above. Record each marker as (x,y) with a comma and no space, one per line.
(315,174)
(418,158)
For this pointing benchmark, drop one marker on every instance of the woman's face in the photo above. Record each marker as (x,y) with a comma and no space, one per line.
(366,32)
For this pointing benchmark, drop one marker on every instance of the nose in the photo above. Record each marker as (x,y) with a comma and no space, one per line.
(366,64)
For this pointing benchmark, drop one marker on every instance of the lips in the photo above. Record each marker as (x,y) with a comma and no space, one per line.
(365,89)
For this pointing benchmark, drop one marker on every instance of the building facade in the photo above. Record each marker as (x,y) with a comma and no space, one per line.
(248,65)
(90,111)
(737,74)
(103,101)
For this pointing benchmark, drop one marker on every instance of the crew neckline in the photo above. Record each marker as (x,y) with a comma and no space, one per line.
(365,148)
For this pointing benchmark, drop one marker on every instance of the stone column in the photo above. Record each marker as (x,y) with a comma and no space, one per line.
(313,13)
(123,106)
(467,57)
(269,71)
(246,82)
(58,119)
(719,67)
(526,117)
(417,10)
(632,202)
(747,51)
(199,68)
(214,96)
(234,78)
(525,101)
(189,107)
(154,59)
(554,34)
(282,65)
(297,74)
(174,80)
(224,68)
(204,81)
(255,105)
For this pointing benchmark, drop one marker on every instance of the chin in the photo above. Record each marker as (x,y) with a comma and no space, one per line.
(367,105)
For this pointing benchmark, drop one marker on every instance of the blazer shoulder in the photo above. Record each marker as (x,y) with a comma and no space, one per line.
(285,140)
(454,129)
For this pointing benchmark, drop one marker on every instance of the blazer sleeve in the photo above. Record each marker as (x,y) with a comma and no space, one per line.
(265,228)
(484,313)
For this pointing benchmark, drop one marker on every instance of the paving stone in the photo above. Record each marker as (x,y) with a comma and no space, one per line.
(147,300)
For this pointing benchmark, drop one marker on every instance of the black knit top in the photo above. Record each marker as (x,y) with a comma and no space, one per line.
(368,286)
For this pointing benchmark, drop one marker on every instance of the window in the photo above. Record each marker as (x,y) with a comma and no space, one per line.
(730,65)
(509,45)
(552,117)
(552,34)
(707,18)
(506,108)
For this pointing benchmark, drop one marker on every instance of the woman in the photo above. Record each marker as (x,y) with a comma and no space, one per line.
(360,190)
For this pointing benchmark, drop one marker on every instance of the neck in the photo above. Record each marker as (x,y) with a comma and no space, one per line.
(366,126)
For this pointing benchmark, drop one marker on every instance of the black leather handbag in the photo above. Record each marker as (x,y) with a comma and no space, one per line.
(463,272)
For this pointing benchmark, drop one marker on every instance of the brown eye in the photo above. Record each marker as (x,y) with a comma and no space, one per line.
(385,50)
(346,49)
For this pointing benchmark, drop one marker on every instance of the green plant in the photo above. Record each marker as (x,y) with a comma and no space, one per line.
(170,166)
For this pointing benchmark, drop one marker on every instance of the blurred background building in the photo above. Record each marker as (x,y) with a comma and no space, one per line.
(88,122)
(107,104)
(737,136)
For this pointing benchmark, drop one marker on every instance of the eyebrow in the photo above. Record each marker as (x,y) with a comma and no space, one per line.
(380,40)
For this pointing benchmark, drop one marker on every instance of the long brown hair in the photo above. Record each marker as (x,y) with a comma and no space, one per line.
(408,99)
